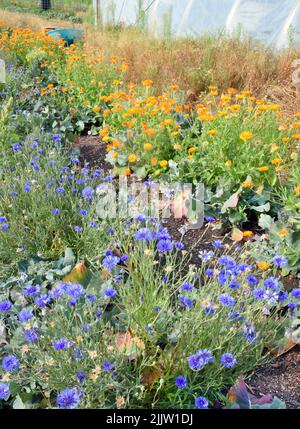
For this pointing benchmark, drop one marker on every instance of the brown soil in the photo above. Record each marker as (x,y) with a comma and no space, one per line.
(92,152)
(280,378)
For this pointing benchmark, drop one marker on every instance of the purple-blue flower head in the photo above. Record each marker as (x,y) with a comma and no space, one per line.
(201,403)
(228,360)
(181,382)
(10,363)
(4,391)
(69,398)
(5,306)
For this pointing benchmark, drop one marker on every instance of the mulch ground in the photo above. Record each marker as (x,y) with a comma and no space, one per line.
(281,378)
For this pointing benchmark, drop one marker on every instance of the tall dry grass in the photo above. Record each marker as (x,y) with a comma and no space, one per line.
(192,64)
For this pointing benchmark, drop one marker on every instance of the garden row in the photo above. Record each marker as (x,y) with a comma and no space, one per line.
(95,312)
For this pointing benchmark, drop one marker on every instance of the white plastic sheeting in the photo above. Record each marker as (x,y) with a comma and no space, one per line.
(275,22)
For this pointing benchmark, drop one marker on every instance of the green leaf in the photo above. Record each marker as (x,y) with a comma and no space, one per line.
(18,404)
(265,221)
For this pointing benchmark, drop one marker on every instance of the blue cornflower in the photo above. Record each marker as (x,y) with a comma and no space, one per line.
(144,234)
(250,332)
(56,211)
(107,367)
(32,335)
(5,306)
(69,398)
(296,293)
(201,403)
(10,363)
(81,376)
(210,219)
(61,344)
(187,286)
(234,284)
(209,310)
(16,147)
(31,290)
(181,382)
(110,292)
(124,258)
(25,315)
(164,246)
(87,192)
(3,219)
(201,358)
(91,297)
(73,290)
(84,212)
(210,272)
(259,293)
(4,391)
(27,188)
(228,360)
(43,300)
(292,305)
(185,302)
(217,244)
(110,262)
(227,300)
(78,354)
(252,280)
(227,261)
(60,190)
(271,283)
(280,261)
(5,226)
(178,245)
(78,228)
(93,225)
(206,256)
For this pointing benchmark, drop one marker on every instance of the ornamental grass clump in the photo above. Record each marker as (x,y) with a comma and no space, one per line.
(135,336)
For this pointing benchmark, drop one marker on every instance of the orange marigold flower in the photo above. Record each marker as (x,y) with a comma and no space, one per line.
(276,161)
(247,233)
(247,184)
(96,109)
(228,163)
(283,232)
(148,146)
(263,169)
(297,191)
(212,132)
(296,136)
(154,161)
(263,265)
(192,150)
(246,135)
(132,158)
(163,163)
(147,82)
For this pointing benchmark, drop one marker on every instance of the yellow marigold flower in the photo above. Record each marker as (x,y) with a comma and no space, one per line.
(283,232)
(276,161)
(263,265)
(297,191)
(192,150)
(296,136)
(127,172)
(228,163)
(212,132)
(163,163)
(206,117)
(132,158)
(175,133)
(246,135)
(96,109)
(173,87)
(190,157)
(285,139)
(263,169)
(213,93)
(235,107)
(168,122)
(115,155)
(247,184)
(148,146)
(154,161)
(231,91)
(247,233)
(147,82)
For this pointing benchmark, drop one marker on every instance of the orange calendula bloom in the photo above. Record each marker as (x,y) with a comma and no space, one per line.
(147,82)
(283,232)
(132,158)
(247,184)
(148,146)
(228,163)
(163,163)
(154,161)
(276,161)
(263,169)
(263,265)
(96,109)
(246,135)
(212,132)
(297,191)
(296,136)
(192,150)
(247,233)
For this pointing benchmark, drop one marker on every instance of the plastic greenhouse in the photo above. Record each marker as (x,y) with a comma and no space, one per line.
(275,22)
